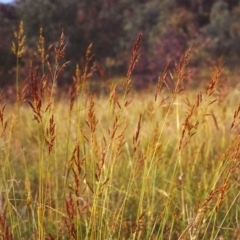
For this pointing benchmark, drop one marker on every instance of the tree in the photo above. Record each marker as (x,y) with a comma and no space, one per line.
(83,22)
(218,29)
(8,20)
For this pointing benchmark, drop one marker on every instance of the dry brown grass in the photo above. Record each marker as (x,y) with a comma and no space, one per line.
(163,164)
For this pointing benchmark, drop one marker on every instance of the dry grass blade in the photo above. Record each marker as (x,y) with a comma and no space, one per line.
(133,61)
(161,82)
(187,127)
(75,87)
(92,120)
(50,134)
(3,123)
(36,90)
(215,78)
(41,47)
(181,72)
(136,136)
(60,49)
(18,46)
(235,118)
(5,232)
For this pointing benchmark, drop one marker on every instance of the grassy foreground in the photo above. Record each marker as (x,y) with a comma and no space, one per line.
(163,164)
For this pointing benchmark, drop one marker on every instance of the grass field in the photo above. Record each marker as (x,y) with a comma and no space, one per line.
(156,164)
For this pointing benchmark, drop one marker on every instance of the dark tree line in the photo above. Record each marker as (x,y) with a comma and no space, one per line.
(169,27)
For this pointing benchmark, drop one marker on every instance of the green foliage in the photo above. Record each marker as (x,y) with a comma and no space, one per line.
(53,16)
(222,32)
(8,21)
(219,20)
(219,28)
(169,28)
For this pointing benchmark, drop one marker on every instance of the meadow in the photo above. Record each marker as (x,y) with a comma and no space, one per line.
(157,164)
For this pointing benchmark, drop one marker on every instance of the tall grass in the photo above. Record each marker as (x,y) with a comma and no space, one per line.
(158,164)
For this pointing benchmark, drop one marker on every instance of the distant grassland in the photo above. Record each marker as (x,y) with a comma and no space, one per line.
(160,164)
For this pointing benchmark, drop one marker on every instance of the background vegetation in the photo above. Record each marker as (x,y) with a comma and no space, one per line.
(109,158)
(210,27)
(158,164)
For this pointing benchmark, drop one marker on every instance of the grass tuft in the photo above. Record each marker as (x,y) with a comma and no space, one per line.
(158,164)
